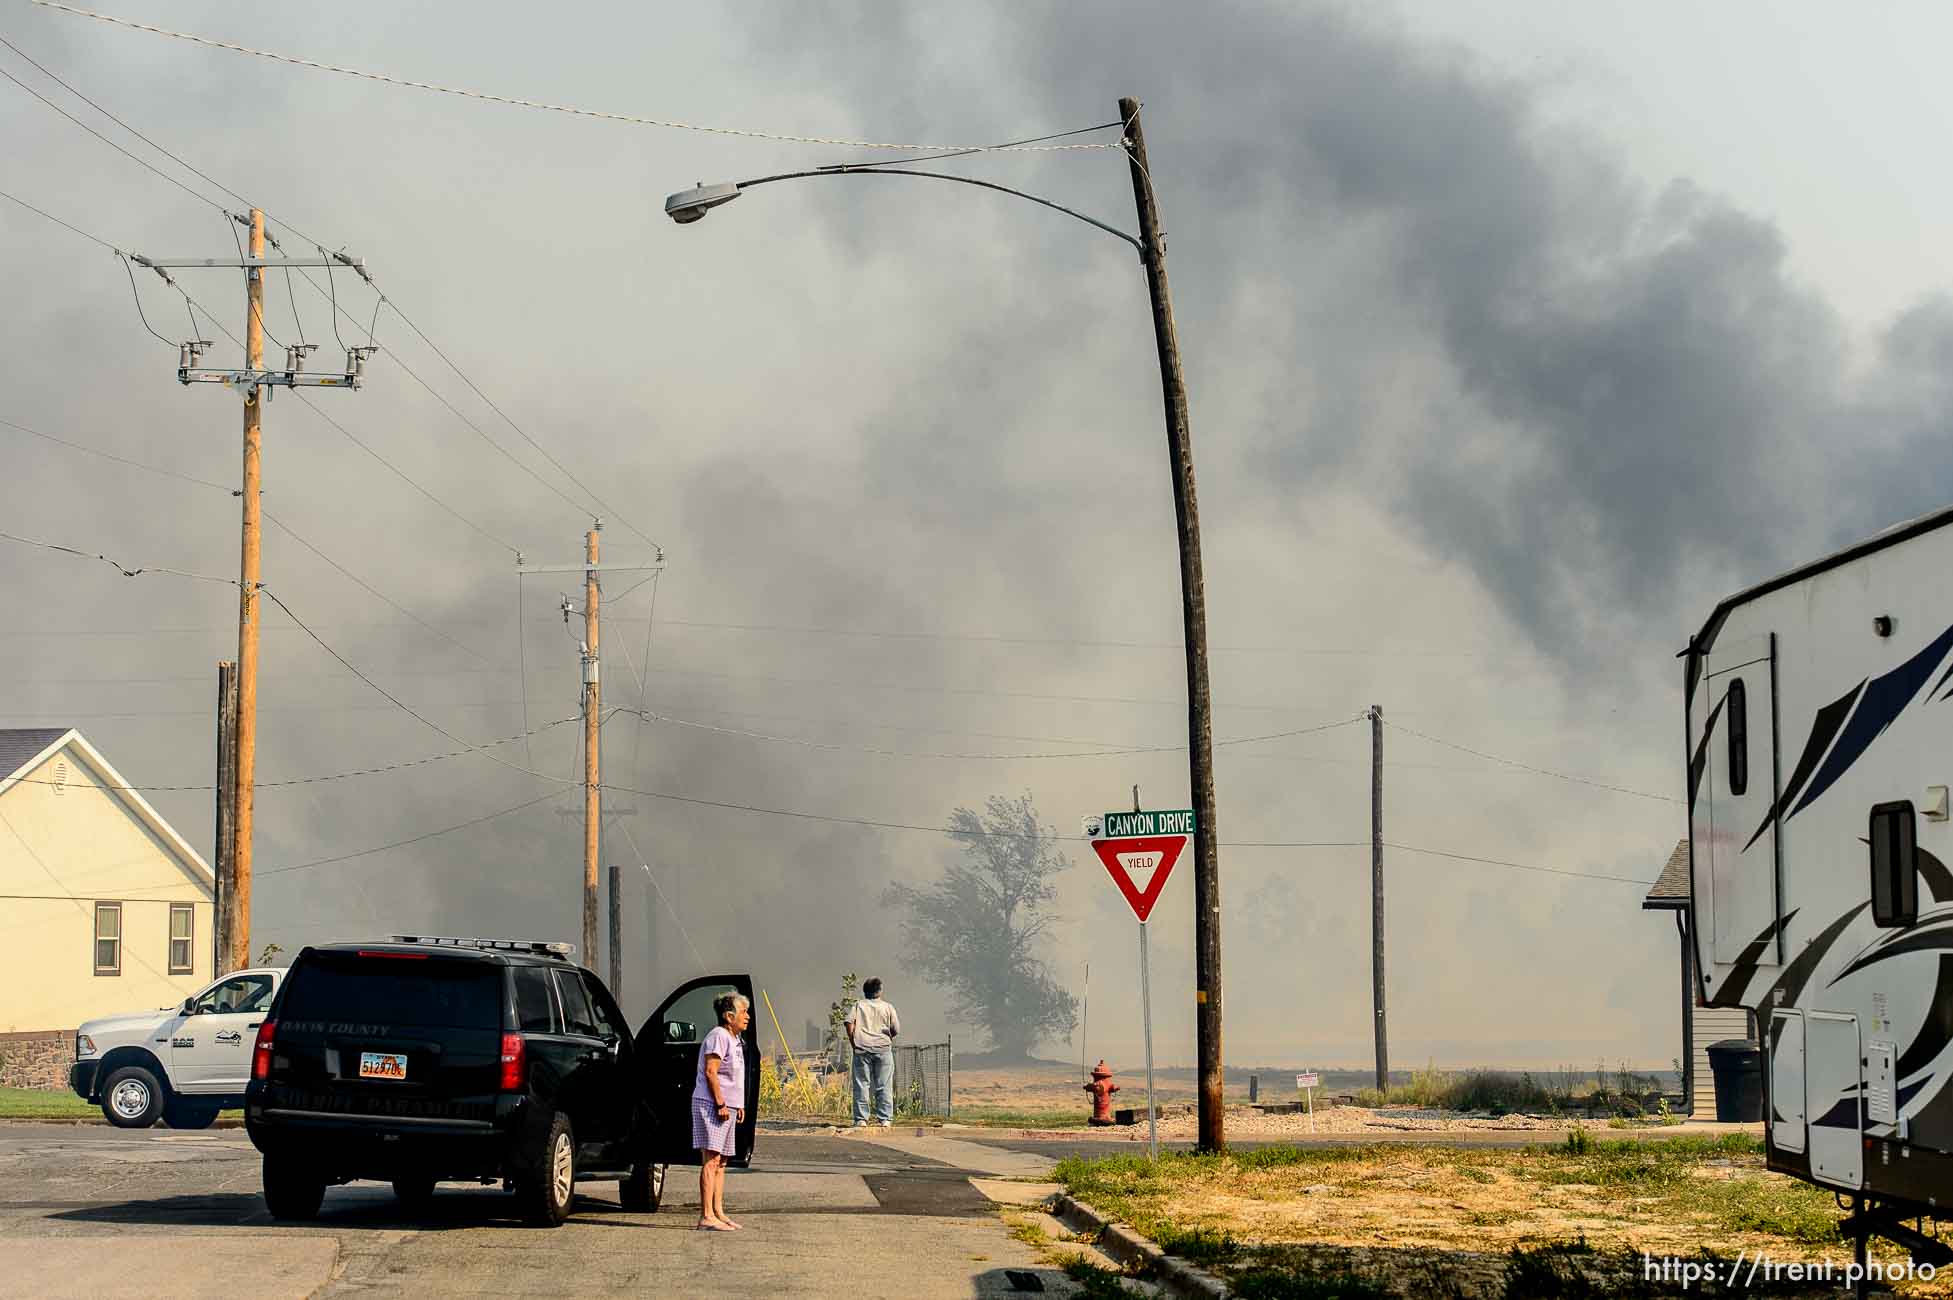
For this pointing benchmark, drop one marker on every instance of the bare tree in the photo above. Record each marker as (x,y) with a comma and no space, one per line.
(972,933)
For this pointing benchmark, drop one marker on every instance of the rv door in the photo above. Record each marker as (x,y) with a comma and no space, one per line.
(1733,782)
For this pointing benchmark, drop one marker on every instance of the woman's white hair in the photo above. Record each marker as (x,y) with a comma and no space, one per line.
(727,1004)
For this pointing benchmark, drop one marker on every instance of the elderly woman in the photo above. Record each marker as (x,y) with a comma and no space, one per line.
(718,1106)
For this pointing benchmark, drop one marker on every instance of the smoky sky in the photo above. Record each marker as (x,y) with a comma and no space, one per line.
(1485,420)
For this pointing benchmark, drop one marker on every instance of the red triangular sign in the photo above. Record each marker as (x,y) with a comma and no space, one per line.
(1150,857)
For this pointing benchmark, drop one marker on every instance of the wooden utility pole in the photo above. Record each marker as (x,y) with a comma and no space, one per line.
(1193,613)
(1376,892)
(223,924)
(617,931)
(592,741)
(247,613)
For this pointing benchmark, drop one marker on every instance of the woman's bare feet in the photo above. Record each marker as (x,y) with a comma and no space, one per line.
(714,1225)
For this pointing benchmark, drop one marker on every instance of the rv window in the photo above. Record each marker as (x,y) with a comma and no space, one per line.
(1895,865)
(1739,738)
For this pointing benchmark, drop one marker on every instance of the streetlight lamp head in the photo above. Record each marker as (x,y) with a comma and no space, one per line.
(689,205)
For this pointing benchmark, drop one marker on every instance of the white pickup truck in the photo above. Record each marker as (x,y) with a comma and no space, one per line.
(181,1064)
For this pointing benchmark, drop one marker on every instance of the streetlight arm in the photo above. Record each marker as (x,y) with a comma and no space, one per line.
(944,176)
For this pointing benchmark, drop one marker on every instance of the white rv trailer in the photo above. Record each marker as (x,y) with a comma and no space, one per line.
(1819,710)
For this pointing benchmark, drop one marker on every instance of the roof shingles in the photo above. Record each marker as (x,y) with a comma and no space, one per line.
(19,744)
(1671,889)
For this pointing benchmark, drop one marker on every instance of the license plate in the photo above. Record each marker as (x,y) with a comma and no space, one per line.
(382,1065)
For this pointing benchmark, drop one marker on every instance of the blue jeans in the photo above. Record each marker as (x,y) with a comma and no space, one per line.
(874,1075)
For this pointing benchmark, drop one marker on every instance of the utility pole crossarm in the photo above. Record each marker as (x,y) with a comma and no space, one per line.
(246,263)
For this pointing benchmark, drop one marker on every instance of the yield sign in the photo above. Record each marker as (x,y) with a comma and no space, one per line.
(1139,865)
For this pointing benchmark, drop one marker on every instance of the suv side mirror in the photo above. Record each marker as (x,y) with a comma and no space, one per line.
(680,1031)
(189,1007)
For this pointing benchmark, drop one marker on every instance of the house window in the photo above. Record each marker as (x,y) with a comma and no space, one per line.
(1739,738)
(108,938)
(182,927)
(1895,864)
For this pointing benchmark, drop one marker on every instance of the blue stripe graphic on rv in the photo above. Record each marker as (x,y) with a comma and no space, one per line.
(1790,985)
(1744,968)
(1933,934)
(1938,1029)
(1882,700)
(1700,759)
(1824,728)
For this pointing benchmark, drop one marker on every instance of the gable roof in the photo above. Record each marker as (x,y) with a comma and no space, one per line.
(19,754)
(1671,889)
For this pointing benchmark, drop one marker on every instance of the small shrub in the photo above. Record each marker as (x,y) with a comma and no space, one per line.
(1577,1142)
(1203,1246)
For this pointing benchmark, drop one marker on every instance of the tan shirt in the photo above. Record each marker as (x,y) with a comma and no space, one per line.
(875,1025)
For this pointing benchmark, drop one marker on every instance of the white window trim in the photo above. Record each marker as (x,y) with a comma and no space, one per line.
(97,939)
(189,941)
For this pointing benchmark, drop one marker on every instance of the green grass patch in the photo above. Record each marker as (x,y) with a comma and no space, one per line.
(1008,1117)
(44,1103)
(1095,1282)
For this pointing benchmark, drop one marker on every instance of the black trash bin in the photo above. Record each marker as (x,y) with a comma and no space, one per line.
(1737,1064)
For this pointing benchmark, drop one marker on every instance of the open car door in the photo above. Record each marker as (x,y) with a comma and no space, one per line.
(667,1053)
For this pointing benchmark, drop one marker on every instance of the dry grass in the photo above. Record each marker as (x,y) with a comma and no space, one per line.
(1615,1200)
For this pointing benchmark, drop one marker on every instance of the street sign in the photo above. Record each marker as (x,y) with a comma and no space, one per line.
(1139,850)
(1121,825)
(1140,865)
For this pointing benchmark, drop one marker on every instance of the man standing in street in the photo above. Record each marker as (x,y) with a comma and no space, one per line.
(872,1027)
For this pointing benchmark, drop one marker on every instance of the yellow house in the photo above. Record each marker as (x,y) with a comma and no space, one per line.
(106,909)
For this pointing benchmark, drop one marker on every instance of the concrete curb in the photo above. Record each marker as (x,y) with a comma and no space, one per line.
(1135,1251)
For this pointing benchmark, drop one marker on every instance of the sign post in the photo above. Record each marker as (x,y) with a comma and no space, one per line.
(1305,1083)
(1139,850)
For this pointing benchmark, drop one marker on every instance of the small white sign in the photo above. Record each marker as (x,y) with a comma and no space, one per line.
(1309,1080)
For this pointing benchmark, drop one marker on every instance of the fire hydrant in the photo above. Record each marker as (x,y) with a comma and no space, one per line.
(1101,1087)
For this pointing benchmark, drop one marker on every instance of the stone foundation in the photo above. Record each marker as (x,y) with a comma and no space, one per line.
(37,1059)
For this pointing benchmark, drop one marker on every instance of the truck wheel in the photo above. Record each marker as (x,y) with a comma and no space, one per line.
(132,1097)
(292,1190)
(548,1187)
(178,1113)
(644,1191)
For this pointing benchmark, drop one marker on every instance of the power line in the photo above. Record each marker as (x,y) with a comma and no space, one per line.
(120,460)
(117,565)
(630,119)
(416,839)
(59,222)
(1364,652)
(906,753)
(135,158)
(271,518)
(1527,767)
(124,125)
(402,475)
(323,777)
(395,700)
(1500,862)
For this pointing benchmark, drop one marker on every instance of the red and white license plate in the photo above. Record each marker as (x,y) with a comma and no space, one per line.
(383,1065)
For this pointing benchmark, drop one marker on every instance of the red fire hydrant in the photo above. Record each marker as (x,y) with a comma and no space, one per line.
(1101,1087)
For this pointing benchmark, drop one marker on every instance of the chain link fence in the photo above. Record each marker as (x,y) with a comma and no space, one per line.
(924,1079)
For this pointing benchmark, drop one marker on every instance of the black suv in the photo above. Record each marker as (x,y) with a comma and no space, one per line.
(423,1060)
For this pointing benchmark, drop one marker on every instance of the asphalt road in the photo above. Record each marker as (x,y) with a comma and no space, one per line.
(100,1212)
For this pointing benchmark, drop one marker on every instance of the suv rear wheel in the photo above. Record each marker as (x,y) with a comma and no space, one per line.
(132,1097)
(644,1191)
(292,1190)
(549,1187)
